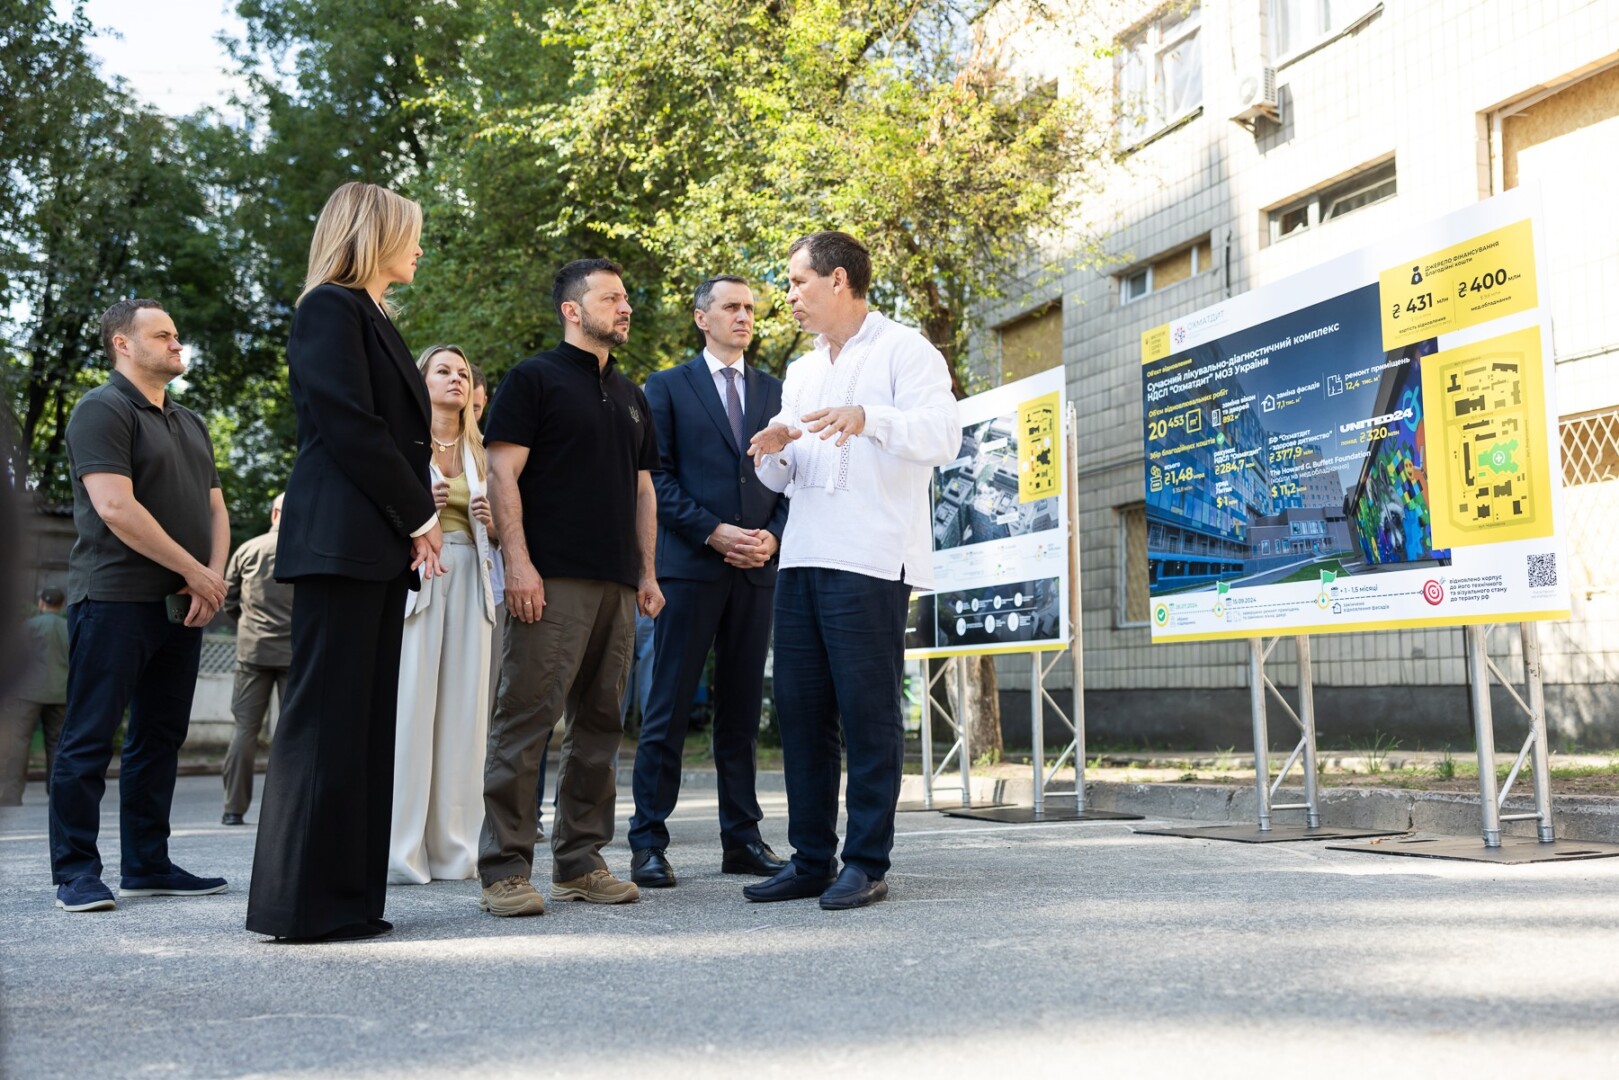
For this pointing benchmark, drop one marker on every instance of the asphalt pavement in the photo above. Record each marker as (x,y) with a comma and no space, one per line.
(1005,950)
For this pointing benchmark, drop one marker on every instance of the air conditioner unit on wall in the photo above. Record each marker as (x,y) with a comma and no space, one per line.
(1256,93)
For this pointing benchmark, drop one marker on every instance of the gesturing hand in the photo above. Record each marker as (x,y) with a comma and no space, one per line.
(844,421)
(771,440)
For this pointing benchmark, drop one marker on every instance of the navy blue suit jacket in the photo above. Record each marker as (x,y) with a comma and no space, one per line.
(706,478)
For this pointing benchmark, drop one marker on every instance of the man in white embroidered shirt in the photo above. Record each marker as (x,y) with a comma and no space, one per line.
(865,418)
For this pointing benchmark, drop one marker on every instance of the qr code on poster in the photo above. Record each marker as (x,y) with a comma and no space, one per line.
(1543,570)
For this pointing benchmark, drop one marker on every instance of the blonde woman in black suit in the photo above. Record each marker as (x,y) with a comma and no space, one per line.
(444,664)
(358,525)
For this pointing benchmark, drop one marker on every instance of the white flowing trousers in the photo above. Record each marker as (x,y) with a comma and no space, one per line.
(443,727)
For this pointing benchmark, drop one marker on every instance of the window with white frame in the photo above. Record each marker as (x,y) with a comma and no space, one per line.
(1159,70)
(1166,270)
(1365,188)
(1296,25)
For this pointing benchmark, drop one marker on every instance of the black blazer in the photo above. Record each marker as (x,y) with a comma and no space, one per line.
(360,485)
(706,478)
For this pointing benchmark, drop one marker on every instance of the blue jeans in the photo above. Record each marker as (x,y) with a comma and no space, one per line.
(840,658)
(639,684)
(121,653)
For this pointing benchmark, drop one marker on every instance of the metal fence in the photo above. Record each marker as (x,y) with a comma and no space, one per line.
(1591,497)
(218,654)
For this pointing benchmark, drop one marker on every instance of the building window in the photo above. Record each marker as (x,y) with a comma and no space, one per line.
(1159,69)
(1364,189)
(1296,25)
(1167,270)
(1135,600)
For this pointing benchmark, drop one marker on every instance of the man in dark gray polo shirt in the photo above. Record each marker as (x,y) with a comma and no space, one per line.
(261,608)
(144,577)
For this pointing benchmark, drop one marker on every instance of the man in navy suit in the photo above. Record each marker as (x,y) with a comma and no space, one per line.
(718,532)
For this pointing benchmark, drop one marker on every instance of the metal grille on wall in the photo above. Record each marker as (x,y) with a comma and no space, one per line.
(1591,496)
(218,654)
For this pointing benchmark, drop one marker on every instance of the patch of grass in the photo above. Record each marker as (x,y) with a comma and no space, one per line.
(1376,752)
(989,757)
(1445,767)
(1225,760)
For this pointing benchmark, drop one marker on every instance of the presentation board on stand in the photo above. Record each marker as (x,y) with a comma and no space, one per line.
(1365,445)
(999,516)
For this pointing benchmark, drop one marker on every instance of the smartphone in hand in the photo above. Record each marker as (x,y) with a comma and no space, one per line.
(178,606)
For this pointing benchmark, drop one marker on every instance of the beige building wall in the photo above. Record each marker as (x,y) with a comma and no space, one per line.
(1416,82)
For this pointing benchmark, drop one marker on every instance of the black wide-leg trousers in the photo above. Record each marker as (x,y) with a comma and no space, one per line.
(322,856)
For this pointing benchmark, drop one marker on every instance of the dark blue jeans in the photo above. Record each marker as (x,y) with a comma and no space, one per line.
(840,657)
(121,654)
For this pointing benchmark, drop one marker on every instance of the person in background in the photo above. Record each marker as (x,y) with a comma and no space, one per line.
(358,525)
(874,400)
(39,700)
(570,460)
(444,660)
(144,577)
(638,684)
(261,608)
(718,533)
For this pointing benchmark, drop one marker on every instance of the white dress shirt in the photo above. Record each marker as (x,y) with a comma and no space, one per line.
(863,507)
(716,371)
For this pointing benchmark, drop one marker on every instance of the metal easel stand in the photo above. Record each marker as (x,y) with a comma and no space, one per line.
(1544,845)
(960,749)
(1265,789)
(1040,697)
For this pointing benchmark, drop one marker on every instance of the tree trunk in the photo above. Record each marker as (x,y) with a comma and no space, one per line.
(984,709)
(982,712)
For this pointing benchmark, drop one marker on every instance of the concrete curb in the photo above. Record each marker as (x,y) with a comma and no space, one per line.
(1586,818)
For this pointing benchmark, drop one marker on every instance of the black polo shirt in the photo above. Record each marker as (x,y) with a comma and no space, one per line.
(589,434)
(167,455)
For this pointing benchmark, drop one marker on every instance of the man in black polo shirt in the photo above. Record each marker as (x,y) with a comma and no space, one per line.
(144,577)
(571,449)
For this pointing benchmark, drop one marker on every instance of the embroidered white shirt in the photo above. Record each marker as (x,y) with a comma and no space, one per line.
(716,369)
(863,507)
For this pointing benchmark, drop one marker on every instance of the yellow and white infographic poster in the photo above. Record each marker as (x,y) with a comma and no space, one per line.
(1000,528)
(1365,445)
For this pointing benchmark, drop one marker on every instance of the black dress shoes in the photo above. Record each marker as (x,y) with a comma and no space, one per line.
(650,867)
(231,819)
(788,884)
(853,889)
(756,859)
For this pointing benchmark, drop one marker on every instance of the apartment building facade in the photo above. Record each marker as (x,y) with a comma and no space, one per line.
(1262,137)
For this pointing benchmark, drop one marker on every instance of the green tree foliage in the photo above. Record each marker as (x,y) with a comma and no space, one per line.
(700,137)
(106,199)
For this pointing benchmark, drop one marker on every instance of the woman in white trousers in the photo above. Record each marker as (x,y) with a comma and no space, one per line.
(444,660)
